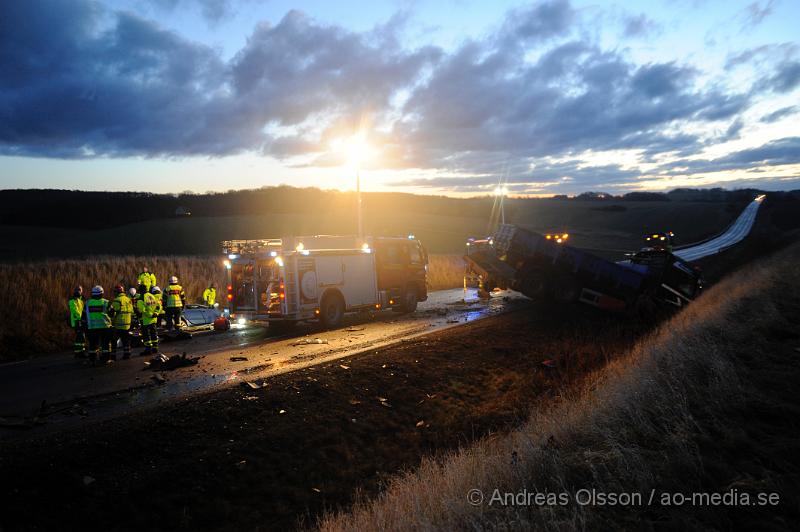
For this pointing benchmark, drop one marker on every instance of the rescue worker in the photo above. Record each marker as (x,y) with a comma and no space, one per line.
(78,322)
(147,279)
(210,295)
(176,300)
(98,324)
(149,310)
(121,312)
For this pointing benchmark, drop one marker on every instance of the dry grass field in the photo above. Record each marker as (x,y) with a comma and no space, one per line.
(36,292)
(702,405)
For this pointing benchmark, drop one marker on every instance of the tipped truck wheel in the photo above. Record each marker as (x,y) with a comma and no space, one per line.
(331,311)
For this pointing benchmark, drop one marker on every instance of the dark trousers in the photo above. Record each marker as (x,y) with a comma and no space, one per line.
(79,345)
(99,339)
(123,337)
(150,338)
(174,318)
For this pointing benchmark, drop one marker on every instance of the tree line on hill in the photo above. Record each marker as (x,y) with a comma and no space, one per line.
(95,210)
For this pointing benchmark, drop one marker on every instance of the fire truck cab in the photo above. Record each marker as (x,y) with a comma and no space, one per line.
(291,279)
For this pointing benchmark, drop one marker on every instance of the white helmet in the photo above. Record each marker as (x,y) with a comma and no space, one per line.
(173,280)
(132,291)
(97,290)
(155,290)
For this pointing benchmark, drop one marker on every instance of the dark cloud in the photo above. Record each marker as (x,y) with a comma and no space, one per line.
(777,152)
(780,113)
(786,77)
(78,81)
(71,90)
(212,10)
(639,26)
(755,13)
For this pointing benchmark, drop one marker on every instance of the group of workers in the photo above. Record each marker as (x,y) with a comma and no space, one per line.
(101,325)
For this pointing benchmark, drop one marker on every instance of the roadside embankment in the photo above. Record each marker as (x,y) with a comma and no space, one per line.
(706,405)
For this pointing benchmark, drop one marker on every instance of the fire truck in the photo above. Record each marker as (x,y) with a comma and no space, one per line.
(290,279)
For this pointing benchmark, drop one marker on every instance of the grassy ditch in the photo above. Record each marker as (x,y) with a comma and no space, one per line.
(705,405)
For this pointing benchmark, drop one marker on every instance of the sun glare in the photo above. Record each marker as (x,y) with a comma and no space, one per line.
(355,149)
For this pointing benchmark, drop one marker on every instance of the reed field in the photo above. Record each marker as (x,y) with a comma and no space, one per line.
(36,292)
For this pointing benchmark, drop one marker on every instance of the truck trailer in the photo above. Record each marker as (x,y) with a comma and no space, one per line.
(290,279)
(548,268)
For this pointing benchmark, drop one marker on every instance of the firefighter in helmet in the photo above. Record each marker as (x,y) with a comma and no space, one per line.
(98,324)
(121,313)
(149,310)
(175,301)
(77,321)
(210,295)
(146,278)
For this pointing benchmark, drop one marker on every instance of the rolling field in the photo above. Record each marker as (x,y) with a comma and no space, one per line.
(593,225)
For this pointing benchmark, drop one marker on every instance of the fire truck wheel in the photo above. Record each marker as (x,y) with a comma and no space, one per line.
(331,311)
(409,301)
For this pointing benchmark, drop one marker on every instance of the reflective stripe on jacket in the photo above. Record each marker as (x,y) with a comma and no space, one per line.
(97,314)
(175,296)
(121,311)
(76,305)
(149,308)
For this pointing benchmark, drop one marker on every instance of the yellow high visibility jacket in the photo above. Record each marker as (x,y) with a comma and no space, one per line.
(175,296)
(76,304)
(148,279)
(149,308)
(210,296)
(97,314)
(121,312)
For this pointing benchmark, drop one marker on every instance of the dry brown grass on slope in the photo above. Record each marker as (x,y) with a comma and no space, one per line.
(35,293)
(669,417)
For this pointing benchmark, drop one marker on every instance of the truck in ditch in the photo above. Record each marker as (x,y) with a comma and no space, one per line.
(547,268)
(291,279)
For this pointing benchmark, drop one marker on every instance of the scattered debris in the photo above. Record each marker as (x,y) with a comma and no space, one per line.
(88,480)
(343,366)
(316,489)
(255,385)
(308,341)
(282,411)
(420,423)
(354,402)
(549,363)
(241,465)
(451,320)
(354,329)
(159,378)
(238,359)
(163,362)
(384,402)
(250,397)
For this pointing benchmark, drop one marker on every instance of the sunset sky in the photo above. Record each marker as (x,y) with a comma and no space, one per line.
(451,96)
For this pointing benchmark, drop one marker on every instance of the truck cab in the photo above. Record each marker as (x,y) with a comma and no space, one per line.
(402,265)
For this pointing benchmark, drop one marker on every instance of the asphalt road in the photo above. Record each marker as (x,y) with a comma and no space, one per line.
(75,393)
(737,231)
